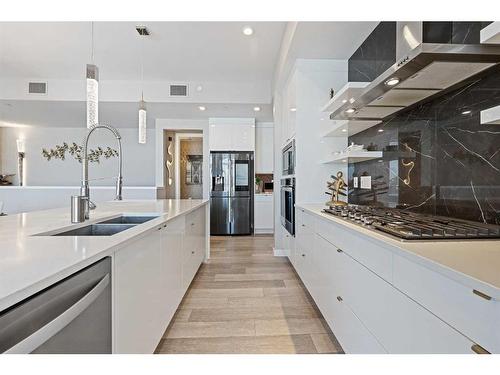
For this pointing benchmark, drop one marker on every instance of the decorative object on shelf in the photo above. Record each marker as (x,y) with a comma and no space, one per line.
(194,165)
(143,32)
(94,156)
(92,76)
(170,161)
(21,149)
(4,179)
(409,165)
(354,147)
(338,187)
(258,184)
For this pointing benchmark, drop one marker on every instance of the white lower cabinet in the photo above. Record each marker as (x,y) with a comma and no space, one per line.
(194,246)
(367,313)
(150,277)
(138,295)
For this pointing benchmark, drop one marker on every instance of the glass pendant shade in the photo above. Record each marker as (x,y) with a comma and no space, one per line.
(92,95)
(142,122)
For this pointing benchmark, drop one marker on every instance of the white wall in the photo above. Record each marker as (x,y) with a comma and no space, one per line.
(314,80)
(138,159)
(178,124)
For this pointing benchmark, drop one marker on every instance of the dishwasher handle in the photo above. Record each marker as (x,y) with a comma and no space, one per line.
(49,330)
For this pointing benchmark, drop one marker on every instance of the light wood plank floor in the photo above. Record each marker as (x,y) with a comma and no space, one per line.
(247,301)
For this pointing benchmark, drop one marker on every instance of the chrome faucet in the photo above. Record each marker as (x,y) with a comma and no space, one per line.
(80,211)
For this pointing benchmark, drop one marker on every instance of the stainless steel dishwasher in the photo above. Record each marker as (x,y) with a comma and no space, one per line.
(71,316)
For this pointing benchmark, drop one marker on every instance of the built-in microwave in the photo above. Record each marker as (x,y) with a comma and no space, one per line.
(289,159)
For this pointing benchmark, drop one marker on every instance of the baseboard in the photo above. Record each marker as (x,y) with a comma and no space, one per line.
(263,231)
(281,252)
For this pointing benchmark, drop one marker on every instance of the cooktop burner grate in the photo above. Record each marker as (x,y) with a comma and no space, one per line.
(411,226)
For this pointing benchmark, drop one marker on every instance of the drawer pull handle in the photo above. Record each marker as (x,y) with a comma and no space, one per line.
(303,225)
(339,298)
(303,255)
(339,250)
(478,349)
(192,252)
(481,294)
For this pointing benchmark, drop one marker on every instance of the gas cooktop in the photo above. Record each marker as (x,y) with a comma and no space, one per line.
(411,226)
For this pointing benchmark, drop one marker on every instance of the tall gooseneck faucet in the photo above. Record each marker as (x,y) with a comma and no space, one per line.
(84,190)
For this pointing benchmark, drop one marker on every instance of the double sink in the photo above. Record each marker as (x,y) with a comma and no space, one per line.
(107,227)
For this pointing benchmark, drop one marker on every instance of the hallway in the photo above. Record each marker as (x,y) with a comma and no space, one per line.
(247,301)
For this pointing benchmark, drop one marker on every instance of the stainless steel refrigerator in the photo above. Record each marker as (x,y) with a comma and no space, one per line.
(231,193)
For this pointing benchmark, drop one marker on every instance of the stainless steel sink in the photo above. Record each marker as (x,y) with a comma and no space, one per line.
(128,220)
(96,230)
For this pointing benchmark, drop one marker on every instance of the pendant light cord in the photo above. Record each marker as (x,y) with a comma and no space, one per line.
(142,68)
(92,41)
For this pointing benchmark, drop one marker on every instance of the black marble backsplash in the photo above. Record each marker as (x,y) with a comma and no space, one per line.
(375,55)
(438,158)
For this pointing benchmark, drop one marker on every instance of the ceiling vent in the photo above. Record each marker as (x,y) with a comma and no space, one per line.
(142,30)
(178,90)
(37,88)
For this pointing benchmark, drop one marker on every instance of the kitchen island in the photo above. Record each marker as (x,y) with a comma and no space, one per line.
(156,259)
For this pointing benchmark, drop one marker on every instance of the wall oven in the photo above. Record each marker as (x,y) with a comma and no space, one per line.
(288,204)
(289,159)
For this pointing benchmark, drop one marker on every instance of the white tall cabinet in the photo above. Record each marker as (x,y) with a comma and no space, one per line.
(264,147)
(232,134)
(298,116)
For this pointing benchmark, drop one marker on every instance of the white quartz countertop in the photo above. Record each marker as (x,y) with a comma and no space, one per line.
(475,263)
(29,263)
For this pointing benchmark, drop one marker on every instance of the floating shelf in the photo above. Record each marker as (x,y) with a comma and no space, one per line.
(354,157)
(345,94)
(346,128)
(491,33)
(491,116)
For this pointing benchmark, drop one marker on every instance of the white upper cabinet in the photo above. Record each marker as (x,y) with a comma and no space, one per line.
(232,134)
(264,148)
(289,110)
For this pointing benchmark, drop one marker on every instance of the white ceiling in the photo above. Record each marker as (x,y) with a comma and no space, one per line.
(188,52)
(175,51)
(119,114)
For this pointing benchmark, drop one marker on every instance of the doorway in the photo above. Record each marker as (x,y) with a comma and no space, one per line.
(183,164)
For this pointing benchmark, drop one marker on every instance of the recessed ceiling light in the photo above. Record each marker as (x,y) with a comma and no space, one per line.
(392,81)
(467,112)
(256,109)
(344,130)
(380,130)
(344,160)
(247,30)
(202,108)
(199,88)
(293,109)
(350,110)
(344,101)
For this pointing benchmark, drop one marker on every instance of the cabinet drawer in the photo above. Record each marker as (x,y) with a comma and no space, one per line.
(304,221)
(456,304)
(353,336)
(368,253)
(400,324)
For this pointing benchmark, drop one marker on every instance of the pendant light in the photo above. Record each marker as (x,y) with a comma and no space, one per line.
(143,32)
(92,76)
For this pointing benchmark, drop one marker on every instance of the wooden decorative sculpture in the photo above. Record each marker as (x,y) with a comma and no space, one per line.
(338,187)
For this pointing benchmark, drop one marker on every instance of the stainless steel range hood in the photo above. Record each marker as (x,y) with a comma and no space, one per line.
(426,72)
